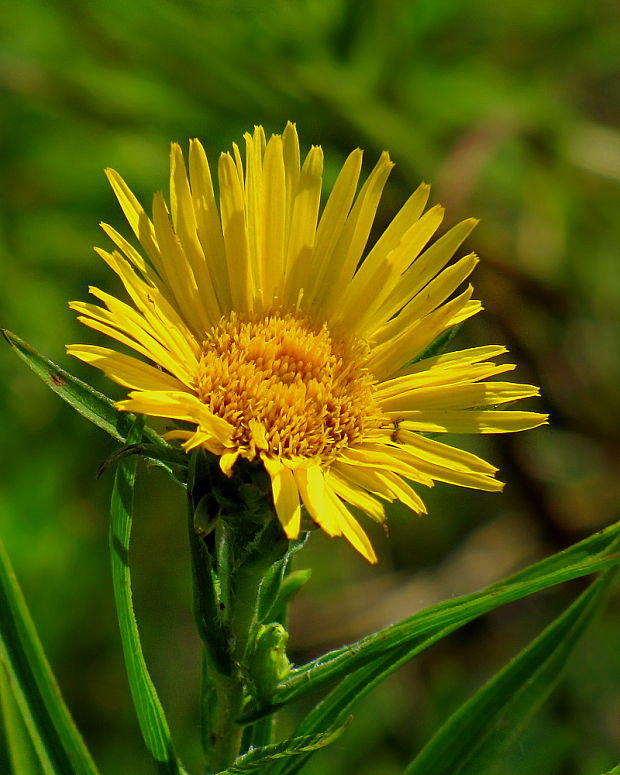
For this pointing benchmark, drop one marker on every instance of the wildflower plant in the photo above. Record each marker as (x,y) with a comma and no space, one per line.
(304,382)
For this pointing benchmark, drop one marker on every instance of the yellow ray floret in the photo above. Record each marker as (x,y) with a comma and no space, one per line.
(273,329)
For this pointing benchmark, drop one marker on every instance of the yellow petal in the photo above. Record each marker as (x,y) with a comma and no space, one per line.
(472,421)
(468,310)
(285,496)
(136,217)
(186,229)
(458,359)
(274,221)
(126,321)
(382,457)
(354,237)
(381,271)
(350,527)
(302,231)
(179,275)
(228,460)
(177,405)
(438,453)
(407,229)
(234,228)
(332,222)
(254,206)
(124,369)
(355,495)
(460,396)
(383,482)
(200,438)
(136,259)
(426,266)
(163,319)
(311,484)
(208,223)
(390,356)
(291,156)
(402,491)
(167,362)
(429,298)
(364,478)
(177,435)
(443,470)
(398,388)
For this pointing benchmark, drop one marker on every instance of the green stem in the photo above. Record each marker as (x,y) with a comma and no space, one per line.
(257,734)
(206,605)
(239,591)
(223,703)
(223,733)
(233,553)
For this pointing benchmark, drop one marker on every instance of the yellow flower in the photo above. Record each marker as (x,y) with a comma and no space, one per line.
(257,324)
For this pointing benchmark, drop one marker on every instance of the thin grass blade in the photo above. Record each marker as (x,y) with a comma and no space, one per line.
(56,740)
(149,711)
(15,743)
(262,759)
(472,740)
(336,706)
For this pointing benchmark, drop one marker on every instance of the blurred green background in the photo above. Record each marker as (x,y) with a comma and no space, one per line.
(511,110)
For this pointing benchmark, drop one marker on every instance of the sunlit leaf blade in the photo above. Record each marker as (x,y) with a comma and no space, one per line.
(336,705)
(615,771)
(471,741)
(149,711)
(87,401)
(15,742)
(422,629)
(262,759)
(55,738)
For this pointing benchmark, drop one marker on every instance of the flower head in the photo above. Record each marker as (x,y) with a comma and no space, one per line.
(258,323)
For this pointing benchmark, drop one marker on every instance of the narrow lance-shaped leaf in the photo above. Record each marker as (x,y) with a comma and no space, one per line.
(262,759)
(339,702)
(471,741)
(423,628)
(149,711)
(335,707)
(55,738)
(91,404)
(14,734)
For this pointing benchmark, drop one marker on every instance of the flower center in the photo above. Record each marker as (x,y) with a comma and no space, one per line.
(287,387)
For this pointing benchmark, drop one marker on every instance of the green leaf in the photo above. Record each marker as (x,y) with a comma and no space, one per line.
(261,759)
(615,771)
(290,586)
(470,742)
(335,707)
(419,631)
(88,402)
(149,711)
(57,742)
(280,585)
(14,735)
